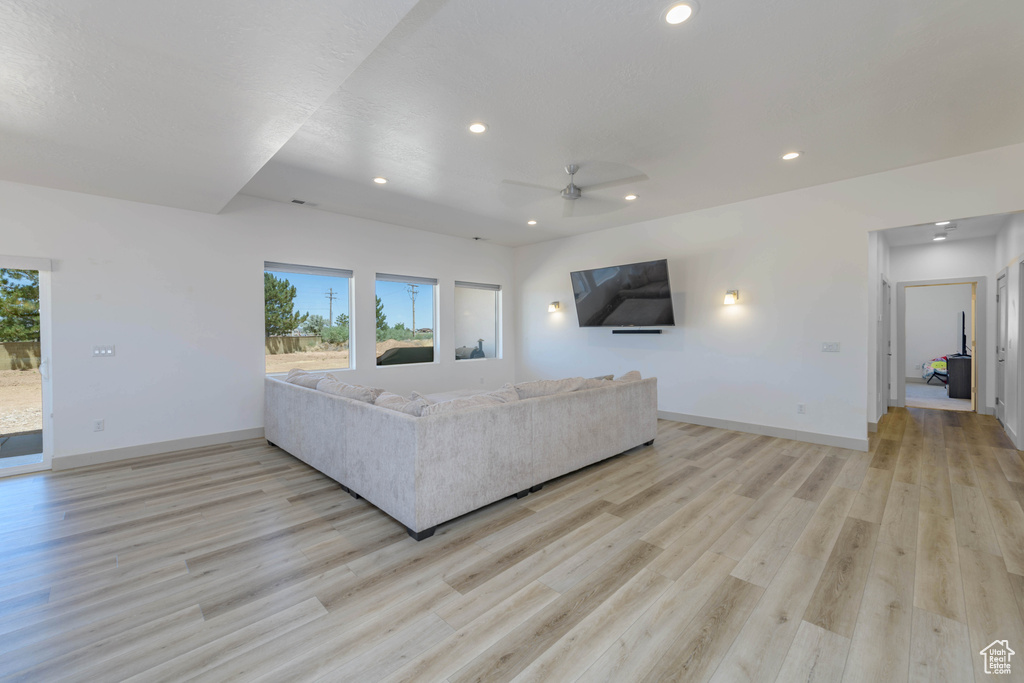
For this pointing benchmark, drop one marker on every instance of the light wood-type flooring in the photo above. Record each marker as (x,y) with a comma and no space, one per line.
(712,555)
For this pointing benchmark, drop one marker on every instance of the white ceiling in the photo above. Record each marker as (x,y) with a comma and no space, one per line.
(958,229)
(176,103)
(182,103)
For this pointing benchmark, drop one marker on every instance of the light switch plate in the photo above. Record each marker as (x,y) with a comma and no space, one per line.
(103,351)
(830,347)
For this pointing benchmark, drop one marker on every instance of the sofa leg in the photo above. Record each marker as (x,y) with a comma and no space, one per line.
(538,487)
(523,494)
(649,442)
(420,535)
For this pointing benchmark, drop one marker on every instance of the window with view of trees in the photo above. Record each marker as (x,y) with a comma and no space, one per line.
(476,320)
(306,317)
(405,319)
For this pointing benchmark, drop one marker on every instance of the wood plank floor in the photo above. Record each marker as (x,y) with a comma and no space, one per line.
(712,555)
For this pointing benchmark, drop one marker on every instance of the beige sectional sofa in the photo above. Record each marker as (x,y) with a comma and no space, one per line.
(426,470)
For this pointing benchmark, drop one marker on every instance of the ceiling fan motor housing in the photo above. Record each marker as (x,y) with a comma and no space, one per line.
(571,191)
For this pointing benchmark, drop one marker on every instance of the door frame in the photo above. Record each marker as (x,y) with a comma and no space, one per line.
(884,348)
(979,361)
(45,267)
(1002,333)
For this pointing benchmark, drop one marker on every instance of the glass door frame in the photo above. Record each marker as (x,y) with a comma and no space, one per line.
(44,267)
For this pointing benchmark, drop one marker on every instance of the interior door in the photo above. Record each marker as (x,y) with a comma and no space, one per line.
(1001,308)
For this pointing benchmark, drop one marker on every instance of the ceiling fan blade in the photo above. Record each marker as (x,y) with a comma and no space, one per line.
(615,183)
(532,186)
(568,207)
(597,206)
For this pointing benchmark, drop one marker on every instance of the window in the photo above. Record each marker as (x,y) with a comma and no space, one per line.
(306,317)
(476,320)
(405,319)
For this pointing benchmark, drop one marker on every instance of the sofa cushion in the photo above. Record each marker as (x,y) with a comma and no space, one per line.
(401,404)
(303,378)
(604,377)
(631,376)
(415,407)
(547,387)
(457,404)
(330,385)
(595,383)
(505,394)
(390,400)
(417,396)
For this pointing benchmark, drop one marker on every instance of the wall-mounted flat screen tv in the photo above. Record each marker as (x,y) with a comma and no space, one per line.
(634,295)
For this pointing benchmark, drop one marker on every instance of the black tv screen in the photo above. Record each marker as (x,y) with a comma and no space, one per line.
(634,295)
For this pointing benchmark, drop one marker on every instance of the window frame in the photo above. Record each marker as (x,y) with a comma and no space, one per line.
(278,267)
(498,341)
(435,313)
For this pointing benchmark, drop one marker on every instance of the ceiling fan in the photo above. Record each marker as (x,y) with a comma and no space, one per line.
(573,192)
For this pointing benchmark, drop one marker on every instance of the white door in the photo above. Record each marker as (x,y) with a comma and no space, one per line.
(25,401)
(1001,304)
(884,348)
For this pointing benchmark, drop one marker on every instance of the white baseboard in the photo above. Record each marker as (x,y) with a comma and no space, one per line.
(872,427)
(100,457)
(782,433)
(1010,433)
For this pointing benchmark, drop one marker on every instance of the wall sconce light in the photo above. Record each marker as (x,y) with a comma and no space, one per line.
(731,297)
(553,307)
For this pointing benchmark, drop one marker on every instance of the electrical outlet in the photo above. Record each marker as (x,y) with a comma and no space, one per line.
(103,351)
(830,347)
(801,408)
(97,425)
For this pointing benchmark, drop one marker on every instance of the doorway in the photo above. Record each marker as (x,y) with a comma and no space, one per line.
(25,413)
(940,355)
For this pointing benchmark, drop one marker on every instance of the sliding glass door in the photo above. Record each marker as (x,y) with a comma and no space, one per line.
(24,365)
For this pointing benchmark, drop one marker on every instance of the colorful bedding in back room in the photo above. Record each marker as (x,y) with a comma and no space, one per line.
(934,368)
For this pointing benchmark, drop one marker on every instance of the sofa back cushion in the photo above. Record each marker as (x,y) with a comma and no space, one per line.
(303,378)
(631,376)
(457,404)
(547,387)
(505,394)
(402,404)
(595,383)
(329,385)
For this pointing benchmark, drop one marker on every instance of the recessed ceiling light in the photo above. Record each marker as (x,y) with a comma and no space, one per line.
(630,197)
(379,180)
(679,13)
(531,222)
(943,223)
(477,128)
(789,156)
(939,236)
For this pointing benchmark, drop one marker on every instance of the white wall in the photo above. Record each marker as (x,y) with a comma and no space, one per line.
(932,323)
(475,311)
(800,262)
(943,261)
(1010,255)
(180,294)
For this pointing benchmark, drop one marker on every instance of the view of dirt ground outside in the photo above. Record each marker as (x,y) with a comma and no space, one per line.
(21,407)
